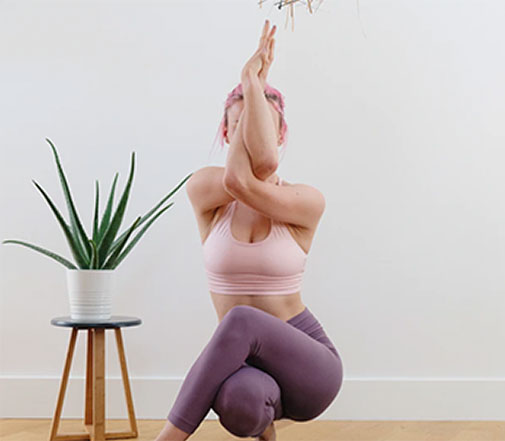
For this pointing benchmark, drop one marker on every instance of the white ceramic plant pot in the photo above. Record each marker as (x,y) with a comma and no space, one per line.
(90,294)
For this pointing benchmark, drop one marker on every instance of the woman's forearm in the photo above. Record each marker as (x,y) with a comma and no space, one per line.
(259,132)
(238,167)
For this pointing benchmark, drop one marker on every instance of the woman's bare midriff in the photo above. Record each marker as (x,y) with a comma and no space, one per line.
(282,306)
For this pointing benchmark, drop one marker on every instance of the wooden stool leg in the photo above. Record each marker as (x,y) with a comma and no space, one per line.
(63,386)
(126,383)
(88,402)
(98,432)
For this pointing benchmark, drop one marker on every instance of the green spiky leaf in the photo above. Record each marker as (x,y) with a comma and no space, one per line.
(72,241)
(52,255)
(104,223)
(153,210)
(94,255)
(110,262)
(95,216)
(75,222)
(109,235)
(139,235)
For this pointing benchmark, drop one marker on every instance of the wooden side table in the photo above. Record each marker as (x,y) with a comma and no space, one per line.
(94,410)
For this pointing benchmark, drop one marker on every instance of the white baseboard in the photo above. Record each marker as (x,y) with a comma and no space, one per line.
(371,398)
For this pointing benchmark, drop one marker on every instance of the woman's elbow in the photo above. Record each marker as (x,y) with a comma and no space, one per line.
(231,182)
(265,170)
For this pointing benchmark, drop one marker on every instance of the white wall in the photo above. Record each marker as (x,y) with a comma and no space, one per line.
(400,125)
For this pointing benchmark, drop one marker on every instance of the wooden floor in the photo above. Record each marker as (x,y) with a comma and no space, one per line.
(38,430)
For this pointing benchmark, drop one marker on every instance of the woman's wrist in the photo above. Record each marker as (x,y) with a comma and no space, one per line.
(250,79)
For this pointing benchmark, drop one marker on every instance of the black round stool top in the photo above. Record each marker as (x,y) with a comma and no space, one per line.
(115,321)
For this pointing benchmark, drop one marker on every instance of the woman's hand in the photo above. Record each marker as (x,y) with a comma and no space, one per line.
(259,64)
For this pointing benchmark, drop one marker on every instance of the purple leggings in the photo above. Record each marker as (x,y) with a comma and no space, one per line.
(257,368)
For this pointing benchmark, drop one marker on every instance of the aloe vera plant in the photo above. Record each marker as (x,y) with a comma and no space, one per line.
(103,250)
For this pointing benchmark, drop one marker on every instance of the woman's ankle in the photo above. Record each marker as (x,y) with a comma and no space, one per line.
(172,433)
(268,434)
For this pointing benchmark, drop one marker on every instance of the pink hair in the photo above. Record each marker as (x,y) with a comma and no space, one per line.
(272,94)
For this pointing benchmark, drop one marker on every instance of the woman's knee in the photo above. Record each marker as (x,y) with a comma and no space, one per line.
(243,418)
(238,317)
(240,311)
(241,408)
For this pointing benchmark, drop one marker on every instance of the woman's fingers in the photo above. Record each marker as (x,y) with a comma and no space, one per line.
(268,39)
(266,36)
(264,51)
(271,50)
(272,32)
(268,54)
(267,60)
(270,42)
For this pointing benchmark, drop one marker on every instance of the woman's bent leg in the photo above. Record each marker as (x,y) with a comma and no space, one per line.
(248,401)
(308,372)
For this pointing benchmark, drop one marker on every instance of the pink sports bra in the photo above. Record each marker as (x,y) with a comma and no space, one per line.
(272,266)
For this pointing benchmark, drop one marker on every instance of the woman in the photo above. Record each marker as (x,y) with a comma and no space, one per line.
(269,358)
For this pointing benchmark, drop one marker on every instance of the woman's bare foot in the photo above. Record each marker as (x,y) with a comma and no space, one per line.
(268,434)
(171,433)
